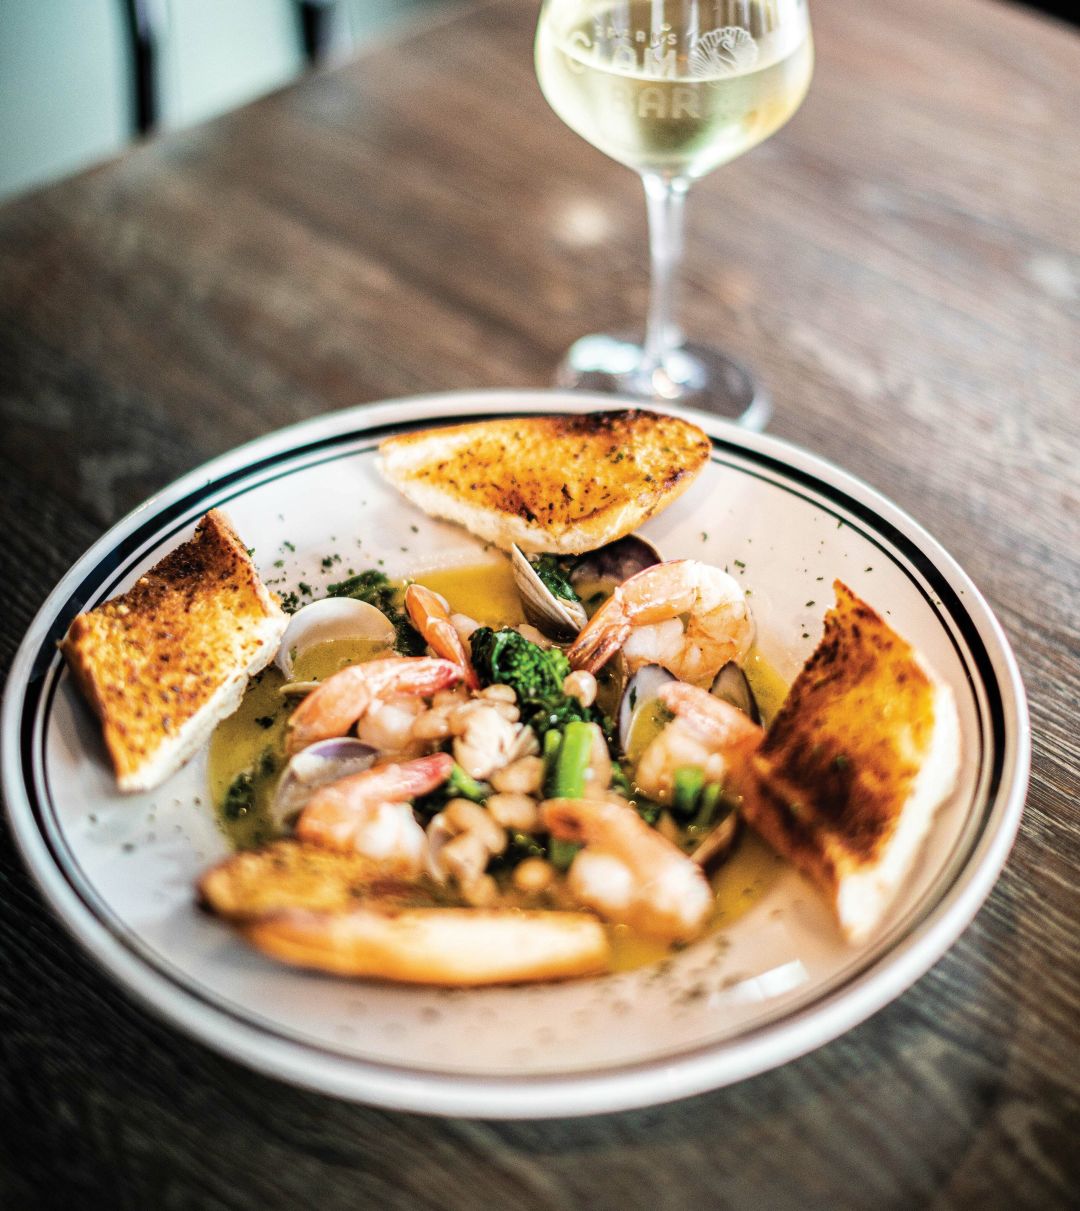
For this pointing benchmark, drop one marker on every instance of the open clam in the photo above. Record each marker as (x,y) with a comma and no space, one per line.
(329,619)
(639,701)
(317,765)
(558,617)
(603,570)
(730,685)
(717,844)
(550,595)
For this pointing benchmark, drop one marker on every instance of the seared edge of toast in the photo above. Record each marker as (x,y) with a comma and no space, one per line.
(864,750)
(564,484)
(163,663)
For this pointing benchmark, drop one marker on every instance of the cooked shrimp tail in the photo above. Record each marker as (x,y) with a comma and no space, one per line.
(337,704)
(370,812)
(430,615)
(644,615)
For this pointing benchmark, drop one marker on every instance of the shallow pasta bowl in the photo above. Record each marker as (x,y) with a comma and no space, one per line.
(777,982)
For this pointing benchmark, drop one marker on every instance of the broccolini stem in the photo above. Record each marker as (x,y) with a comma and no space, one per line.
(689,779)
(572,762)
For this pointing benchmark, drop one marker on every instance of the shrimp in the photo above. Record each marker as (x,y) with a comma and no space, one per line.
(345,697)
(627,871)
(370,813)
(642,617)
(706,732)
(430,614)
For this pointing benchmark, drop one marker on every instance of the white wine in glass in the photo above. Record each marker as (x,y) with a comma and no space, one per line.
(672,89)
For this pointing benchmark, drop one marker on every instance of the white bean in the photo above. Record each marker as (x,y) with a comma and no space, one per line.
(465,857)
(499,693)
(523,776)
(517,812)
(534,874)
(582,686)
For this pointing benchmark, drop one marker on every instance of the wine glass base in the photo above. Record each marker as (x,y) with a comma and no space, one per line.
(692,375)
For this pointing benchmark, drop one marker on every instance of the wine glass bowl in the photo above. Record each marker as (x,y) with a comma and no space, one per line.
(672,89)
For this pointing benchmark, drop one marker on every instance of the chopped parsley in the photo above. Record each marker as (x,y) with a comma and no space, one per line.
(554,574)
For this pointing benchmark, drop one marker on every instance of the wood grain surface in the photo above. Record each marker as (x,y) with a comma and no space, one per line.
(902,265)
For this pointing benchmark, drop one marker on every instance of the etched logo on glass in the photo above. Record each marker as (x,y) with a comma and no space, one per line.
(723,52)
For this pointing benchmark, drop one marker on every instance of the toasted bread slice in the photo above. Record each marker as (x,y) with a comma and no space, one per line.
(297,874)
(864,750)
(336,912)
(563,484)
(164,662)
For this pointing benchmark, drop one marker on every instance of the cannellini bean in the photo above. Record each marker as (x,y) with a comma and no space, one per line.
(464,816)
(432,725)
(443,700)
(465,857)
(582,686)
(524,776)
(499,693)
(510,713)
(517,812)
(480,892)
(460,715)
(534,874)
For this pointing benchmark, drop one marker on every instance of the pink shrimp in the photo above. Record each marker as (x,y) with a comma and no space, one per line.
(643,617)
(370,812)
(430,615)
(342,699)
(627,871)
(706,732)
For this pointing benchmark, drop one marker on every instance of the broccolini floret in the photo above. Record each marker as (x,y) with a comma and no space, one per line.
(536,675)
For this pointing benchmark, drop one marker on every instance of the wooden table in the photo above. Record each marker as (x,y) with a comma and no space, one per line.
(902,265)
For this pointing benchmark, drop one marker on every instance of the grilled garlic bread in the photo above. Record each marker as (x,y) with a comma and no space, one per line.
(561,484)
(165,661)
(864,750)
(333,911)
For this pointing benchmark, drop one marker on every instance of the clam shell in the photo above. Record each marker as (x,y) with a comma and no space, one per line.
(717,845)
(615,562)
(331,618)
(558,619)
(317,765)
(641,689)
(730,685)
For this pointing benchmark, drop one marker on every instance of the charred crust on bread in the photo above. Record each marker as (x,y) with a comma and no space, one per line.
(154,660)
(845,748)
(558,483)
(865,748)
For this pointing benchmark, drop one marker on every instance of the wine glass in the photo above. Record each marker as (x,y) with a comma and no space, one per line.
(672,89)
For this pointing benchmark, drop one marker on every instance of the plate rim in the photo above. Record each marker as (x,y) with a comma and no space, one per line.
(625,1085)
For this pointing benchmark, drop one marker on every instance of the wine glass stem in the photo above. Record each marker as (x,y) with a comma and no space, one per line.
(664,197)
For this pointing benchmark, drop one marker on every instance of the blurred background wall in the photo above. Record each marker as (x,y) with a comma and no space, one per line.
(80,78)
